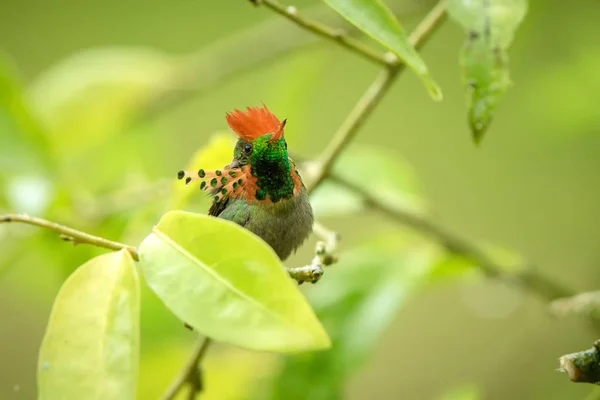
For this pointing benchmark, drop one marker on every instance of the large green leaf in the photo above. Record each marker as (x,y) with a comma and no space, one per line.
(228,284)
(356,303)
(376,20)
(490,25)
(91,346)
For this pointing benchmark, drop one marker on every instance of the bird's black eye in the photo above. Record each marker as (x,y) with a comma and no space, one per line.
(248,148)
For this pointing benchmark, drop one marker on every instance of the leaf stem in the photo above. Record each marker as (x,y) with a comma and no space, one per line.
(69,234)
(190,374)
(337,35)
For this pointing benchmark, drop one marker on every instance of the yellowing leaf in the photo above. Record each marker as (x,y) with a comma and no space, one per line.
(216,154)
(91,346)
(228,284)
(491,25)
(376,20)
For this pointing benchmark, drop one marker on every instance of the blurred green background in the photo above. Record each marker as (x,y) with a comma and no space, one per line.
(96,137)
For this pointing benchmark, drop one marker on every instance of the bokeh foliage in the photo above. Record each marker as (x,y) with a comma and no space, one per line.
(110,166)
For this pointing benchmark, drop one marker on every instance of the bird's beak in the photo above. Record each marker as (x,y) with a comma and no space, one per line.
(279,132)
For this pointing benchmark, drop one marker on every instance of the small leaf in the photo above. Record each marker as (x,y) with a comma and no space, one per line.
(228,284)
(491,25)
(357,302)
(91,346)
(217,153)
(376,20)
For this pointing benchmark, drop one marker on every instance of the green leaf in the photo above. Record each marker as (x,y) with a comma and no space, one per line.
(91,346)
(360,297)
(88,97)
(491,25)
(376,20)
(228,284)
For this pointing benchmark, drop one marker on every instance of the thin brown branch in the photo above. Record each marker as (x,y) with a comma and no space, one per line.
(301,274)
(190,374)
(69,234)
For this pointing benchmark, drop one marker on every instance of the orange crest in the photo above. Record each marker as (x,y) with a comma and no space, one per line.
(255,122)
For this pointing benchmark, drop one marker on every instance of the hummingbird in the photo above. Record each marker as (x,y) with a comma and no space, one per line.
(261,189)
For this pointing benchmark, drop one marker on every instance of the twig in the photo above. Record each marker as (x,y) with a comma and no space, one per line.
(337,35)
(324,257)
(372,96)
(301,274)
(69,234)
(583,366)
(190,374)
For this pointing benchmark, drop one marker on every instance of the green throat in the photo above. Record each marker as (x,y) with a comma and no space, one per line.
(271,166)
